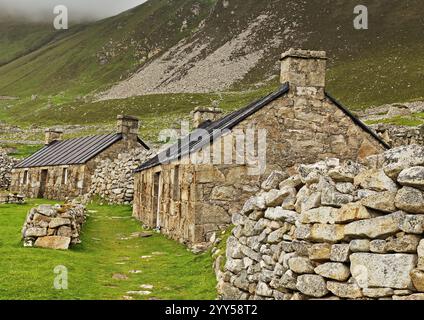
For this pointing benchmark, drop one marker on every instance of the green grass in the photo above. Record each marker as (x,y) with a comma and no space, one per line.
(21,151)
(27,273)
(412,120)
(156,112)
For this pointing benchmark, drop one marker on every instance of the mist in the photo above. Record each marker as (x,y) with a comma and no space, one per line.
(79,10)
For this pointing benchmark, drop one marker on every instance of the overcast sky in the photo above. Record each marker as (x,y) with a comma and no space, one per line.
(36,10)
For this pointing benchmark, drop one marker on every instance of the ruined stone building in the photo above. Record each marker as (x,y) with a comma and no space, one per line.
(190,200)
(64,168)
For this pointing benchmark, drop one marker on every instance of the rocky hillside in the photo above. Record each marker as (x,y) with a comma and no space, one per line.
(182,52)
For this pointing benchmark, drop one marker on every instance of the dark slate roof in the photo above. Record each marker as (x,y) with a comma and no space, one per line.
(196,140)
(72,151)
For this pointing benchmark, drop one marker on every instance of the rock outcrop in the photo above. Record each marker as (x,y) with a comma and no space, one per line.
(54,227)
(344,231)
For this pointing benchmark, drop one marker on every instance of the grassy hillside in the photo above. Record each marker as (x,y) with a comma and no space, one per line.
(101,53)
(18,38)
(107,249)
(384,64)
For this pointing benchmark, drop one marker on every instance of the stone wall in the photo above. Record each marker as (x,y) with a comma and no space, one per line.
(397,136)
(301,126)
(195,202)
(54,227)
(293,124)
(335,230)
(56,187)
(79,177)
(113,178)
(6,165)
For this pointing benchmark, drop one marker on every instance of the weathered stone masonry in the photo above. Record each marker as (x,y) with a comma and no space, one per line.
(303,125)
(66,180)
(335,230)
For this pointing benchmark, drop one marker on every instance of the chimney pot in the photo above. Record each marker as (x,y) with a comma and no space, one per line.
(304,70)
(52,135)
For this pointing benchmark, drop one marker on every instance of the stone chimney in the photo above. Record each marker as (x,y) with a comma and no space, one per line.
(200,115)
(53,135)
(304,70)
(128,126)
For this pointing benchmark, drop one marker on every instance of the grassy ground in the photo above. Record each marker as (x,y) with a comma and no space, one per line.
(21,151)
(411,120)
(107,248)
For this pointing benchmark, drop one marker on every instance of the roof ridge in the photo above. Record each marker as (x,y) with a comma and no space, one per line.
(227,122)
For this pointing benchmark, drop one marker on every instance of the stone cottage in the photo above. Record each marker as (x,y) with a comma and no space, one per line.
(190,200)
(64,168)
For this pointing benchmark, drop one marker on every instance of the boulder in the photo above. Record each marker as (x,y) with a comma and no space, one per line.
(410,199)
(327,233)
(312,285)
(301,265)
(382,201)
(279,214)
(35,232)
(308,201)
(403,244)
(274,198)
(340,253)
(234,248)
(57,222)
(375,227)
(398,159)
(417,277)
(289,280)
(412,224)
(351,212)
(53,242)
(412,177)
(319,215)
(276,236)
(382,270)
(46,210)
(359,245)
(378,292)
(331,197)
(333,270)
(378,246)
(319,252)
(344,290)
(291,182)
(273,181)
(254,203)
(263,290)
(346,172)
(375,179)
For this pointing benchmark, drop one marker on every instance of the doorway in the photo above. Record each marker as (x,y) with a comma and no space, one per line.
(157,190)
(43,182)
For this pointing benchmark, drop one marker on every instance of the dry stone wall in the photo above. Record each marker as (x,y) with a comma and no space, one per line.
(6,165)
(332,231)
(54,227)
(400,135)
(113,179)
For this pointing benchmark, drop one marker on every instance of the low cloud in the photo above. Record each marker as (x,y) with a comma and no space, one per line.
(79,10)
